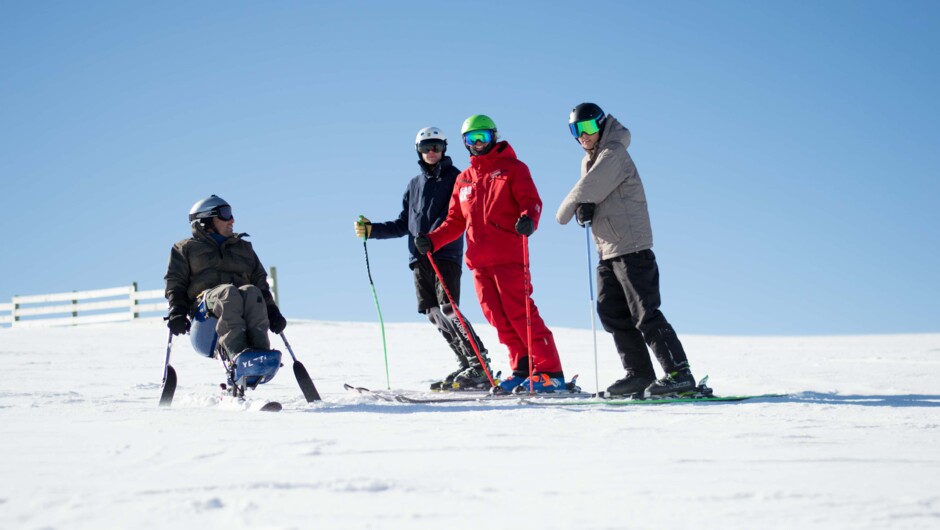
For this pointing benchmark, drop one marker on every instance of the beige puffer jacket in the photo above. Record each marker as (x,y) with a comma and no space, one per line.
(609,179)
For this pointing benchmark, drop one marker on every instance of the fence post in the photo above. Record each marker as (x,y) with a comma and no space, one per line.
(134,313)
(16,306)
(273,276)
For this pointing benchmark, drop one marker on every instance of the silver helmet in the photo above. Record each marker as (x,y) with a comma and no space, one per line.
(211,206)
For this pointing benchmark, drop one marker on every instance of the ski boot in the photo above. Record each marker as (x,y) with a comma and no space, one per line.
(678,383)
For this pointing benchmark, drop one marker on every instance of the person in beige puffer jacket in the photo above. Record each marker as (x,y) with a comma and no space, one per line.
(609,198)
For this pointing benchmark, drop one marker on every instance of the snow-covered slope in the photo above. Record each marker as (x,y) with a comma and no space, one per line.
(83,444)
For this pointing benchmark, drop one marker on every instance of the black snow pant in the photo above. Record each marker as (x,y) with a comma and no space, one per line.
(628,305)
(432,301)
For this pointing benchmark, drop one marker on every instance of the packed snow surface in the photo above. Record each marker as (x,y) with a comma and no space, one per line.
(855,444)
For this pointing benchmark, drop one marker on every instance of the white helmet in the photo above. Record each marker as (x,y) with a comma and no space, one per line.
(430,133)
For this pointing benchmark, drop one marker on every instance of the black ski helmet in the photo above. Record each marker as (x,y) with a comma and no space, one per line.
(204,210)
(587,111)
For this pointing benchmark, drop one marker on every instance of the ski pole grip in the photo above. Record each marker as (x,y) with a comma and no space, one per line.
(362,222)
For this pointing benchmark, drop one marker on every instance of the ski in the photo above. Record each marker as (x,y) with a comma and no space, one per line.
(701,395)
(661,401)
(271,406)
(456,396)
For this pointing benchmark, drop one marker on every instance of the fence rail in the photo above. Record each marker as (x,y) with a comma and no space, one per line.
(114,304)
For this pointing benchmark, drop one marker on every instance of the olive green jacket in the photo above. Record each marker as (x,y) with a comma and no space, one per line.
(609,179)
(200,263)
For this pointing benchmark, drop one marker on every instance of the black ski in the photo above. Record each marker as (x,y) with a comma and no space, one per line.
(271,406)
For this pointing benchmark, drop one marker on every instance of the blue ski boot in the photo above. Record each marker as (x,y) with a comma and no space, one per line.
(542,384)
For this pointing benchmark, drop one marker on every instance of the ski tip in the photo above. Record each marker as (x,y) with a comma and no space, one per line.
(272,406)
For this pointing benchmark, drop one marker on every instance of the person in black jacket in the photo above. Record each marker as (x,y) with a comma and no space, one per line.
(424,208)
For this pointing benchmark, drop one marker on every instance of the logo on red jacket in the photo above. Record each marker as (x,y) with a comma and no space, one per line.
(465,193)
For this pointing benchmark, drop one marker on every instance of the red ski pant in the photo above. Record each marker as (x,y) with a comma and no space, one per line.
(501,290)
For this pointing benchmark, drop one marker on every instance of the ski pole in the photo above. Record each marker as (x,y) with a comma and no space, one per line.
(377,308)
(587,234)
(169,376)
(528,307)
(463,324)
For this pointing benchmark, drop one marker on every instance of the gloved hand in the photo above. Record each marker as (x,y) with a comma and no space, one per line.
(276,321)
(585,213)
(524,225)
(423,244)
(177,321)
(363,228)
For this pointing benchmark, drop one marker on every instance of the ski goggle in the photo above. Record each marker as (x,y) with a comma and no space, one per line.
(427,146)
(584,127)
(224,213)
(483,135)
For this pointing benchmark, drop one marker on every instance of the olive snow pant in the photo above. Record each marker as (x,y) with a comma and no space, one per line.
(628,306)
(243,317)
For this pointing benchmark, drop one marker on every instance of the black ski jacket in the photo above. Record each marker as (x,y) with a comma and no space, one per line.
(424,208)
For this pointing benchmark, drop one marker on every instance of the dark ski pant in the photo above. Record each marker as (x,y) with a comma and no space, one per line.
(432,301)
(628,306)
(243,317)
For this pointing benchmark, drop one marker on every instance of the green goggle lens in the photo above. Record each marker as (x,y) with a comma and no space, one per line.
(472,137)
(584,127)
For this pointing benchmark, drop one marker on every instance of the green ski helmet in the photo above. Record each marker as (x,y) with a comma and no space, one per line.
(478,122)
(479,127)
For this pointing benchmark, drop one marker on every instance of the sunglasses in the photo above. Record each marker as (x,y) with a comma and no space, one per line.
(225,213)
(472,137)
(427,146)
(584,127)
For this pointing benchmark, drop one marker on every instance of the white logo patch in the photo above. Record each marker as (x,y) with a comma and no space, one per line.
(465,193)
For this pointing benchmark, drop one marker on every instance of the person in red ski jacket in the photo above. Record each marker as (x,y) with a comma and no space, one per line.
(497,204)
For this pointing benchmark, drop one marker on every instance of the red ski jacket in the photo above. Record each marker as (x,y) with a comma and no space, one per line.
(488,198)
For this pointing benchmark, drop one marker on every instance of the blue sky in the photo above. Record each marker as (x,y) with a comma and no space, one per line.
(789,150)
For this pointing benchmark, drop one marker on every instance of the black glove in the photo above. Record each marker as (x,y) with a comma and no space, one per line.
(177,321)
(585,213)
(276,320)
(524,225)
(423,244)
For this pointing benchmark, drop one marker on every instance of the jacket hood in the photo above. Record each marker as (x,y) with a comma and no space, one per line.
(502,149)
(614,133)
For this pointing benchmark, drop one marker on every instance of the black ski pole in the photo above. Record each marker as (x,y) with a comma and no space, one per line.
(303,378)
(169,376)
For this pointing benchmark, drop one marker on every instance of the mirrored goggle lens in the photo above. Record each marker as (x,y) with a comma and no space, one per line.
(473,137)
(431,145)
(225,213)
(584,127)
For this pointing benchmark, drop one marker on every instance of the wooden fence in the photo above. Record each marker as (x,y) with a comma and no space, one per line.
(115,304)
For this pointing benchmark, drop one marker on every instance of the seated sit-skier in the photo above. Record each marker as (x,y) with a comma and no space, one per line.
(220,268)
